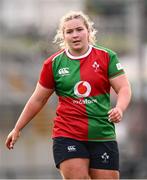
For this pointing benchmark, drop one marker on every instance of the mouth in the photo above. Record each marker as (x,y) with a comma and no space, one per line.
(76,41)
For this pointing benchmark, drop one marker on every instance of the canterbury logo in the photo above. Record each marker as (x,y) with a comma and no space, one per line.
(63,71)
(71,148)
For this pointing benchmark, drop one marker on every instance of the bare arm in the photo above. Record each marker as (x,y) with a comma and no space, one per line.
(32,107)
(121,86)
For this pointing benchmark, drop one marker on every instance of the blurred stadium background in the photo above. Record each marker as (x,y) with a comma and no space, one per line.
(27,29)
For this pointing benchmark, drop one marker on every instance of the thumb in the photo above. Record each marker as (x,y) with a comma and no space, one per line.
(110,111)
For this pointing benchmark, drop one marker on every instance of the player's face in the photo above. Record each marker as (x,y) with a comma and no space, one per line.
(76,36)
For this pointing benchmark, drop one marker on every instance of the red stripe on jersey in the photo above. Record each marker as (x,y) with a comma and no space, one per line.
(67,125)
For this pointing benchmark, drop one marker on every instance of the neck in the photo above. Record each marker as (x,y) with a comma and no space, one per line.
(80,55)
(78,52)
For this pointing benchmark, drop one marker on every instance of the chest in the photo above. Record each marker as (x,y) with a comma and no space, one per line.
(67,72)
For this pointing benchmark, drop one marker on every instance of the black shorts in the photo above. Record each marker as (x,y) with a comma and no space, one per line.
(102,155)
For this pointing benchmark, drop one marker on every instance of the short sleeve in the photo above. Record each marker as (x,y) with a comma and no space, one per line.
(46,78)
(115,68)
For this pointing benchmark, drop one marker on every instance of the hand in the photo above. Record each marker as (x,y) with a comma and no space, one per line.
(12,138)
(115,115)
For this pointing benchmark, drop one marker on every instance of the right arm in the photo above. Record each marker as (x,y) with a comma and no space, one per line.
(31,109)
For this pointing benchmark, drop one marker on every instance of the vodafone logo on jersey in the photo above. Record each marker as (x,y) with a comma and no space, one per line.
(82,89)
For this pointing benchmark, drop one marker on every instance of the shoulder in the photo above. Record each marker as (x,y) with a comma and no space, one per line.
(104,50)
(53,57)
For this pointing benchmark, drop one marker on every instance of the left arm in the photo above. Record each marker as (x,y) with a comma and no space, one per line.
(122,88)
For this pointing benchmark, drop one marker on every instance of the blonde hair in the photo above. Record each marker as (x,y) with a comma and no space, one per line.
(59,38)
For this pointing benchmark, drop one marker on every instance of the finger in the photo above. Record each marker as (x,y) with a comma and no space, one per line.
(115,116)
(12,144)
(116,120)
(112,112)
(115,113)
(109,119)
(7,143)
(109,112)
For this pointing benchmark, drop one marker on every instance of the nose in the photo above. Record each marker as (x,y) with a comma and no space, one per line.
(74,34)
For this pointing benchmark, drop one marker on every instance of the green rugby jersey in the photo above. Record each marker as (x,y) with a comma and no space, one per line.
(83,87)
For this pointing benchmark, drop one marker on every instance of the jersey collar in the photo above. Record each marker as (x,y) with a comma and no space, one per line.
(79,57)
